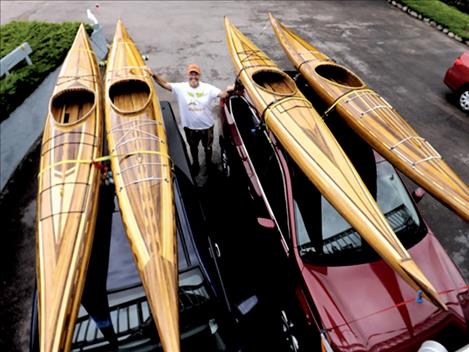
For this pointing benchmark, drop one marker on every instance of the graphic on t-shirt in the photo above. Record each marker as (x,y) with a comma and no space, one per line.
(193,103)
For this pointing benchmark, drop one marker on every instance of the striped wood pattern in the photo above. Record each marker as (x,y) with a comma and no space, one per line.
(310,143)
(68,193)
(143,181)
(376,122)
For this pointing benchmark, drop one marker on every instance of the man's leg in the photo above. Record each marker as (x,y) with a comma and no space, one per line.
(207,141)
(193,141)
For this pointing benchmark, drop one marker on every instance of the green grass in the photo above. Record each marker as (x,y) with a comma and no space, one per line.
(448,16)
(50,43)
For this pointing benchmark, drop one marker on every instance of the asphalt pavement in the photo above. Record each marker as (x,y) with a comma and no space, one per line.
(400,57)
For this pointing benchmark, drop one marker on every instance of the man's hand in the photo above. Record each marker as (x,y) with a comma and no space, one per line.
(150,72)
(159,80)
(224,93)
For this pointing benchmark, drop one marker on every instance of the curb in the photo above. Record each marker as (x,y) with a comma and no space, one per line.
(430,22)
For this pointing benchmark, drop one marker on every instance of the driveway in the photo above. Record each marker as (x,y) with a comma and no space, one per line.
(400,57)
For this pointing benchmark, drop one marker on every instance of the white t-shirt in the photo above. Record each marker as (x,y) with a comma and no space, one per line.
(195,104)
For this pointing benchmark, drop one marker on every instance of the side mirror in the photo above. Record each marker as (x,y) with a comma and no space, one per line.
(418,194)
(432,346)
(266,223)
(247,305)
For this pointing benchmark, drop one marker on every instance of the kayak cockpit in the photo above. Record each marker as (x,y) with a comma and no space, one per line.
(72,105)
(274,82)
(339,75)
(130,96)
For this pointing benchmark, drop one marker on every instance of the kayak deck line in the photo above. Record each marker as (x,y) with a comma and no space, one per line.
(68,79)
(130,140)
(276,104)
(374,108)
(347,95)
(129,68)
(143,180)
(95,162)
(364,91)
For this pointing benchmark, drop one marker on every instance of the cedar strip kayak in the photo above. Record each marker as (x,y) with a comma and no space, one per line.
(142,175)
(68,187)
(373,118)
(310,143)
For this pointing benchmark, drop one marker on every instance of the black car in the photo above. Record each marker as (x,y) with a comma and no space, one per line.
(114,297)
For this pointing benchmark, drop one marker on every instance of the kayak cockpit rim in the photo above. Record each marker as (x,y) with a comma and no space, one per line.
(274,81)
(338,75)
(135,90)
(71,106)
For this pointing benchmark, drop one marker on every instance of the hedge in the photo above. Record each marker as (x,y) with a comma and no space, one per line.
(50,43)
(448,16)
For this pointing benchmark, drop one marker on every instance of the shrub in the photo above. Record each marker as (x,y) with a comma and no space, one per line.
(50,43)
(448,16)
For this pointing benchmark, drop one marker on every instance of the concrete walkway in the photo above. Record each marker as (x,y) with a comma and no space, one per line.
(23,127)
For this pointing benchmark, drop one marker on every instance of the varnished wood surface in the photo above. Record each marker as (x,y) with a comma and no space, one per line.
(312,146)
(142,175)
(376,121)
(68,193)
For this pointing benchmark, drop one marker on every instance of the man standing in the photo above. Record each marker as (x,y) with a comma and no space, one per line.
(195,99)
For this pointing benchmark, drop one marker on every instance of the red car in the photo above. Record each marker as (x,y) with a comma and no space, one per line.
(347,293)
(457,79)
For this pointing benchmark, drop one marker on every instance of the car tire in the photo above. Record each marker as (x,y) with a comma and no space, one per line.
(463,99)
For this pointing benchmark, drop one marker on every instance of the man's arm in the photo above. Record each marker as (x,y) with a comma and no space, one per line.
(224,93)
(164,84)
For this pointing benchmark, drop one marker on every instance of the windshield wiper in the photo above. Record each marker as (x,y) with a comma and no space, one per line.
(308,248)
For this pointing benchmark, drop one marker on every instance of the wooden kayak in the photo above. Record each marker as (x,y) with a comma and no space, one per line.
(310,143)
(375,121)
(142,175)
(68,187)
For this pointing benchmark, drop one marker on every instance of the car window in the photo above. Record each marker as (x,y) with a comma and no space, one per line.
(263,158)
(272,181)
(325,237)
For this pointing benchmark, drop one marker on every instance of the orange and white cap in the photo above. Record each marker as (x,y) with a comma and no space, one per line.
(193,68)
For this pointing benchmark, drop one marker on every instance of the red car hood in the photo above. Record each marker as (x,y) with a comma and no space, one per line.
(465,58)
(362,307)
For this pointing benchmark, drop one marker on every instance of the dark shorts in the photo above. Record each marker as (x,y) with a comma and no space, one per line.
(194,137)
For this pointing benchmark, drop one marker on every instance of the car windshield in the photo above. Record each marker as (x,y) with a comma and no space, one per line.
(326,238)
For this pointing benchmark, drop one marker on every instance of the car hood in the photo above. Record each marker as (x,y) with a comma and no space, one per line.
(369,307)
(465,58)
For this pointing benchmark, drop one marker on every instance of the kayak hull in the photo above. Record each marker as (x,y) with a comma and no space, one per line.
(68,187)
(376,121)
(142,175)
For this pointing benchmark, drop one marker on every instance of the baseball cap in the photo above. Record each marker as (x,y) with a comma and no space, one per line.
(193,68)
